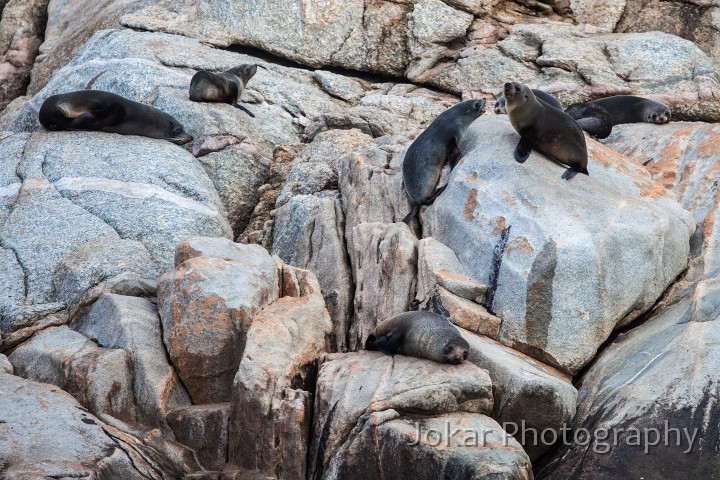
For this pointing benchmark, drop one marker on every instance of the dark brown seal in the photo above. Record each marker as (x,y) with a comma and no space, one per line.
(224,87)
(432,149)
(539,94)
(106,112)
(419,334)
(594,119)
(546,129)
(632,109)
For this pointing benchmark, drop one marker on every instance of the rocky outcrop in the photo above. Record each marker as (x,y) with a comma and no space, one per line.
(203,428)
(21,33)
(133,324)
(207,305)
(528,235)
(271,400)
(370,407)
(47,434)
(640,400)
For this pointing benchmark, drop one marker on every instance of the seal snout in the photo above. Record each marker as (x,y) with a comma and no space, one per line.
(508,89)
(182,139)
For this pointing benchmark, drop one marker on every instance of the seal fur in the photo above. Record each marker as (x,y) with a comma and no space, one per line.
(101,111)
(432,149)
(419,334)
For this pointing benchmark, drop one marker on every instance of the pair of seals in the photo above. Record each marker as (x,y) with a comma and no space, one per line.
(546,129)
(632,109)
(100,111)
(437,145)
(419,334)
(500,107)
(225,87)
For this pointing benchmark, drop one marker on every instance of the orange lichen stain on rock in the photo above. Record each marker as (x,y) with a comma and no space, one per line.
(471,204)
(655,190)
(499,226)
(520,244)
(710,146)
(607,156)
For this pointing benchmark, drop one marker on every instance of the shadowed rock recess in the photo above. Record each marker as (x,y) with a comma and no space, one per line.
(200,311)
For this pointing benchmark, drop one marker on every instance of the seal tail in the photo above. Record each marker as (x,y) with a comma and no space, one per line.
(413,211)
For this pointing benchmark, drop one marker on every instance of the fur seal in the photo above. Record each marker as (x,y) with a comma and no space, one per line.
(546,129)
(100,111)
(419,334)
(438,144)
(632,109)
(225,87)
(539,94)
(594,119)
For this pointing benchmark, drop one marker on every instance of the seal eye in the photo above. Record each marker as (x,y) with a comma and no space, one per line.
(465,355)
(177,131)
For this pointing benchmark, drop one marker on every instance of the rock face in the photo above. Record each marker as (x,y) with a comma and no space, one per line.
(207,305)
(133,324)
(22,26)
(465,47)
(652,380)
(271,403)
(555,254)
(45,433)
(365,422)
(204,428)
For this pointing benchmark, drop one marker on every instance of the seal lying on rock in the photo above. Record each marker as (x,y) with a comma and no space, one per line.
(225,87)
(594,119)
(106,112)
(419,334)
(546,129)
(427,155)
(539,94)
(632,109)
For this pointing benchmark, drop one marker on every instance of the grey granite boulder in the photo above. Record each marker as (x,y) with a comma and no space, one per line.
(565,262)
(133,324)
(374,415)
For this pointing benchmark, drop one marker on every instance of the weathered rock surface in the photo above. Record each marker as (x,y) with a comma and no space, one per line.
(556,254)
(133,324)
(658,376)
(271,404)
(21,27)
(207,305)
(46,434)
(469,47)
(520,384)
(204,428)
(368,404)
(384,260)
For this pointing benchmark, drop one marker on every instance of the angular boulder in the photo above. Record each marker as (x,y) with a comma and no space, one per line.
(565,262)
(207,305)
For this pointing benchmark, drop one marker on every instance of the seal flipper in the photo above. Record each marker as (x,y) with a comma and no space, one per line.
(435,195)
(413,211)
(454,155)
(388,343)
(528,137)
(237,105)
(572,171)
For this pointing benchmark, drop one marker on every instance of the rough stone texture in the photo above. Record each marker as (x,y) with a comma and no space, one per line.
(83,207)
(133,324)
(556,255)
(465,47)
(660,375)
(44,433)
(70,23)
(204,428)
(309,233)
(359,393)
(21,33)
(463,313)
(520,384)
(207,305)
(438,265)
(237,172)
(384,261)
(270,414)
(5,365)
